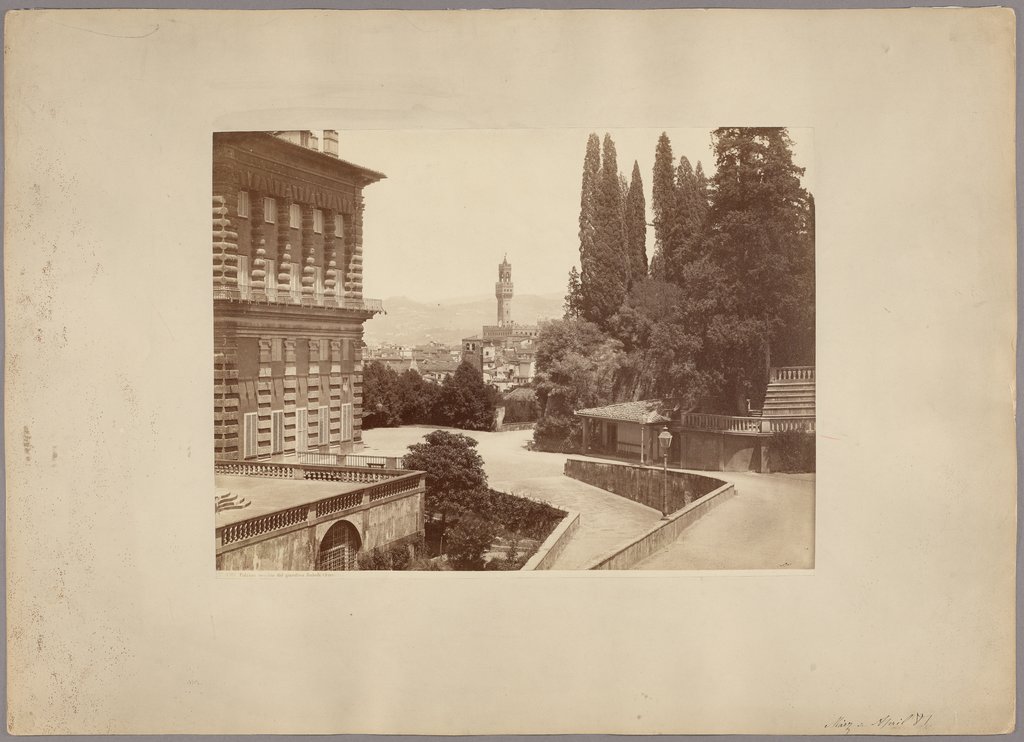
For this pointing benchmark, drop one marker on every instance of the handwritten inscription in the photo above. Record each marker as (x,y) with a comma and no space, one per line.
(887,722)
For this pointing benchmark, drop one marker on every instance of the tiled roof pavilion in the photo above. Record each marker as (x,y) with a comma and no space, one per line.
(645,412)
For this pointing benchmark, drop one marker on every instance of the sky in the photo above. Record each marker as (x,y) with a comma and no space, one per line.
(456,201)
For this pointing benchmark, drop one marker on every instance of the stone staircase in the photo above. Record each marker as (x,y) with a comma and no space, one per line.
(790,393)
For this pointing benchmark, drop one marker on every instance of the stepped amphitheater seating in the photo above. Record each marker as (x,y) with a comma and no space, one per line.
(790,393)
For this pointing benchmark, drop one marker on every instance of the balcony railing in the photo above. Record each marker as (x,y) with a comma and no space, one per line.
(393,485)
(792,373)
(316,472)
(350,459)
(729,424)
(298,297)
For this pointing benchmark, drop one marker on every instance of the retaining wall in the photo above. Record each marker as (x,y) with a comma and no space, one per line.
(643,484)
(664,533)
(554,544)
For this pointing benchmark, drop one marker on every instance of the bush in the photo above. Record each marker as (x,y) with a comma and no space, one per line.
(792,451)
(558,434)
(466,543)
(393,558)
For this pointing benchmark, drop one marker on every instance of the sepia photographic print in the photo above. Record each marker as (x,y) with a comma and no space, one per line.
(494,338)
(638,392)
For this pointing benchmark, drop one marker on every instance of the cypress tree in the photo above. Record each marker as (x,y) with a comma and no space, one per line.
(606,288)
(588,220)
(663,203)
(636,227)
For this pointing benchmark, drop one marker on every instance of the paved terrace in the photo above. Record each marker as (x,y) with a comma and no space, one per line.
(606,520)
(769,524)
(268,495)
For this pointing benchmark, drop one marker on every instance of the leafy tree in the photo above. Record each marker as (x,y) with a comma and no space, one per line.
(636,227)
(576,366)
(467,542)
(573,295)
(465,401)
(382,406)
(417,397)
(759,239)
(454,470)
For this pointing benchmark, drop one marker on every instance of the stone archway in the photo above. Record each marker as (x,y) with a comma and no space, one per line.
(339,547)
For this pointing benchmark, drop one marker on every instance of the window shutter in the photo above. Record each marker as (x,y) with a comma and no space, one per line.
(301,430)
(271,280)
(243,204)
(249,435)
(243,275)
(318,221)
(269,210)
(324,421)
(277,431)
(295,216)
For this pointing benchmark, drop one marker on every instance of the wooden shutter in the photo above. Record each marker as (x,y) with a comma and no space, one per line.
(249,431)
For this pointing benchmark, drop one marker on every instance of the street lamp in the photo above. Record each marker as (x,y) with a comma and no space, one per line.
(665,441)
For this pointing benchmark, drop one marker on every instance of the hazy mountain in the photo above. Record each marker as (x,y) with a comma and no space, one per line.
(411,322)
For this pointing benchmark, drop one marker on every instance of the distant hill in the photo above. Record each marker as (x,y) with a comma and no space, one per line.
(411,322)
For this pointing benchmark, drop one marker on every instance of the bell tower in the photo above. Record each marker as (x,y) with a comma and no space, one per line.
(503,293)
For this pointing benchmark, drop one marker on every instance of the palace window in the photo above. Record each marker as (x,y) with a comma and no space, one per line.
(269,210)
(295,216)
(346,421)
(243,204)
(301,430)
(339,226)
(243,276)
(318,221)
(323,421)
(276,345)
(271,280)
(277,431)
(249,435)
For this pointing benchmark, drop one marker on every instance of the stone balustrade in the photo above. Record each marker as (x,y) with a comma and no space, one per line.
(308,514)
(792,373)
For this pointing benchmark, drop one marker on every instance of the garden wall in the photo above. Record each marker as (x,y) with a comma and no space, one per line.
(554,544)
(664,533)
(643,484)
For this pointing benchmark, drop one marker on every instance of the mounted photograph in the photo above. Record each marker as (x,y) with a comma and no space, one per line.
(589,349)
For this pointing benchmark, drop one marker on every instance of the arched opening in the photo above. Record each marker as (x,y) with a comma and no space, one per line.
(339,547)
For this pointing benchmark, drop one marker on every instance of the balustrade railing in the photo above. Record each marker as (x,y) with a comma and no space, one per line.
(394,486)
(729,424)
(324,472)
(724,423)
(792,373)
(350,459)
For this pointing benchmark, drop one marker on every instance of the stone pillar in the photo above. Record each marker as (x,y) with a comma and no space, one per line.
(291,385)
(331,292)
(264,394)
(284,250)
(225,397)
(308,254)
(356,381)
(313,395)
(334,382)
(225,251)
(354,237)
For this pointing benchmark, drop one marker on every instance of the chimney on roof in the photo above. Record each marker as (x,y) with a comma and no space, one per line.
(331,142)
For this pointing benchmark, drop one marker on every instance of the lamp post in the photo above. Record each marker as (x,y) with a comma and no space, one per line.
(665,441)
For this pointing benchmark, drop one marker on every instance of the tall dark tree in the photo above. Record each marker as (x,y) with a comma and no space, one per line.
(605,289)
(588,215)
(759,239)
(636,227)
(663,204)
(691,212)
(382,404)
(573,296)
(465,401)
